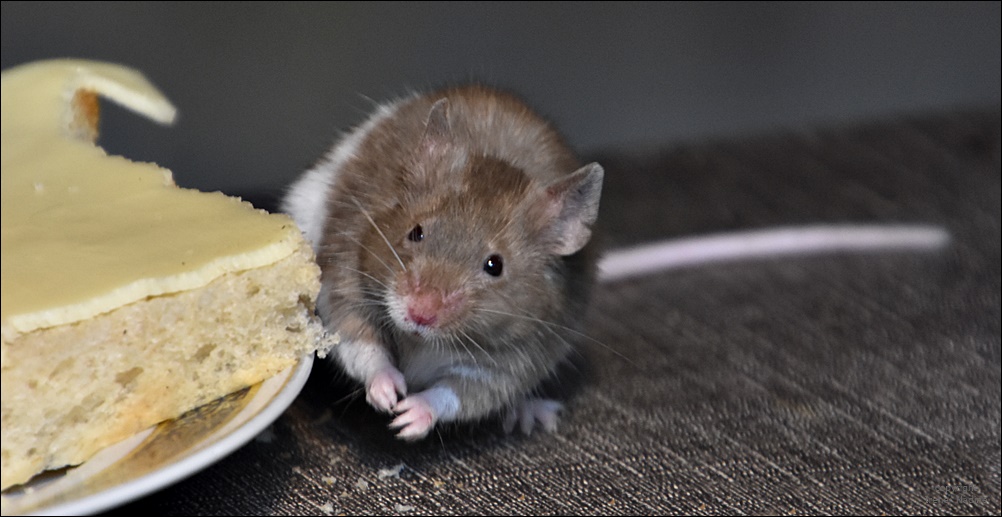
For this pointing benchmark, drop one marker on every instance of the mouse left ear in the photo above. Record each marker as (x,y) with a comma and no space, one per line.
(437,132)
(569,206)
(436,139)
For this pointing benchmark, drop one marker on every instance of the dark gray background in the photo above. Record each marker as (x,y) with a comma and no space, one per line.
(263,89)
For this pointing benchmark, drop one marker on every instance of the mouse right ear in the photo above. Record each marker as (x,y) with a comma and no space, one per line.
(568,208)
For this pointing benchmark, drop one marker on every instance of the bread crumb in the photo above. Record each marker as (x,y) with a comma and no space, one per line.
(403,508)
(362,485)
(391,472)
(328,480)
(328,509)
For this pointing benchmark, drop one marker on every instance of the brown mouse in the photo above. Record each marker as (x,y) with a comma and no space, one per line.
(453,230)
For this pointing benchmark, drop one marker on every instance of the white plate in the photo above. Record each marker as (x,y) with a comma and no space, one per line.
(163,454)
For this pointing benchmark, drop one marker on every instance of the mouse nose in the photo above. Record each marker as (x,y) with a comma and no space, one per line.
(424,320)
(423,308)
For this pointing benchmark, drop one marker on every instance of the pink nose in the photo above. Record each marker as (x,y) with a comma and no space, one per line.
(423,308)
(419,318)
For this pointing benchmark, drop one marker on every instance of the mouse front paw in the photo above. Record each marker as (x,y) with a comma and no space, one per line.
(381,391)
(415,417)
(530,411)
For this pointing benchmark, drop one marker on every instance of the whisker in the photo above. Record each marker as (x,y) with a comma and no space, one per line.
(374,279)
(353,395)
(366,248)
(470,353)
(367,302)
(509,346)
(446,345)
(474,342)
(557,325)
(355,307)
(387,241)
(373,292)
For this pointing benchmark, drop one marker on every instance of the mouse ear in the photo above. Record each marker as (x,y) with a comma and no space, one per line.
(435,142)
(569,206)
(436,129)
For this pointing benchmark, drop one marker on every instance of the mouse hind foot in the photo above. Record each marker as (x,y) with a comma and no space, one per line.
(529,412)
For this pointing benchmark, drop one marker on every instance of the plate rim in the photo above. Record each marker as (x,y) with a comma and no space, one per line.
(195,462)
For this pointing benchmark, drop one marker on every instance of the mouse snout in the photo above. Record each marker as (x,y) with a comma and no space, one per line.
(423,310)
(430,308)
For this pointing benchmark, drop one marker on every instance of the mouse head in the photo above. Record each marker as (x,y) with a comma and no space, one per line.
(480,243)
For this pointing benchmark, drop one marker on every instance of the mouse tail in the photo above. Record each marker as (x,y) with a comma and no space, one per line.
(767,243)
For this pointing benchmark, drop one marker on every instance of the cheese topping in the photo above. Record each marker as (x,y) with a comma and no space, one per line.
(84,232)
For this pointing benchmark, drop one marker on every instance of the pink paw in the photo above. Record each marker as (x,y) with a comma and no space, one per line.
(530,411)
(381,392)
(415,418)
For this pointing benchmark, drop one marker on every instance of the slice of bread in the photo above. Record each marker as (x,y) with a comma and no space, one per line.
(126,300)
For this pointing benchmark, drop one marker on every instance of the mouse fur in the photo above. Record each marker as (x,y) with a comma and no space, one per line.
(453,231)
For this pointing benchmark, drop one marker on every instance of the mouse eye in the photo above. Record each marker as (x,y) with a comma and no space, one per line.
(416,234)
(493,265)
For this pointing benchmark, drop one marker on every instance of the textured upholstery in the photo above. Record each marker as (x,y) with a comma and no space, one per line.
(836,383)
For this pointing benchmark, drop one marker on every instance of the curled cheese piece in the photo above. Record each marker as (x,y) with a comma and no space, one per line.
(85,232)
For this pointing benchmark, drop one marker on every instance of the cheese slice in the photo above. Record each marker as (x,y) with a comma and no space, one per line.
(85,232)
(126,300)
